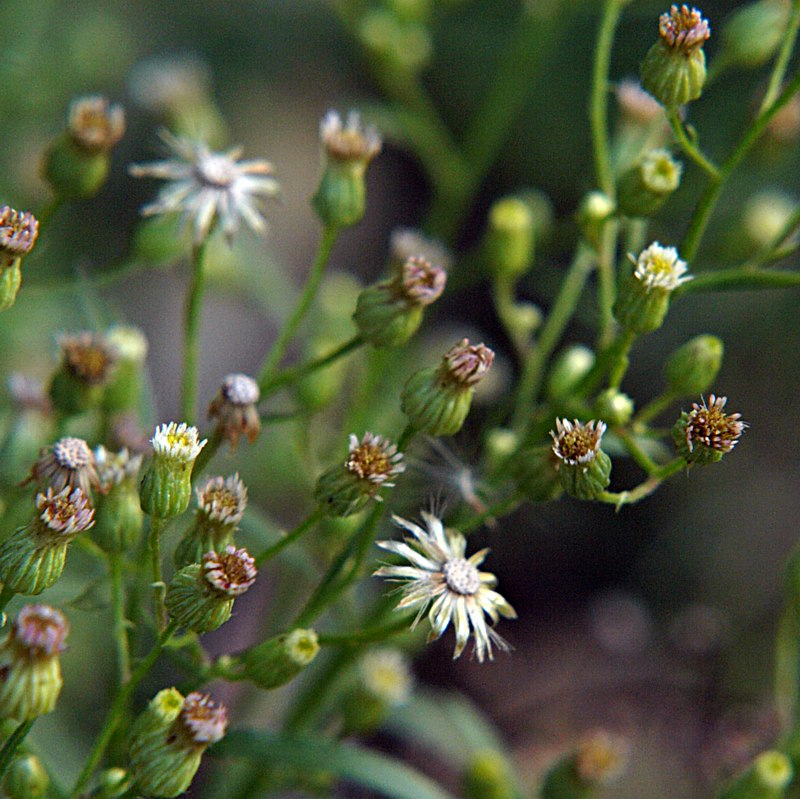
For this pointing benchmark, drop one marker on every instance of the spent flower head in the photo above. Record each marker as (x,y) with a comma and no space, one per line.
(208,187)
(374,459)
(18,232)
(420,281)
(40,630)
(466,364)
(440,578)
(576,443)
(67,512)
(67,463)
(348,140)
(88,357)
(222,500)
(235,408)
(683,28)
(706,432)
(95,125)
(660,267)
(202,720)
(230,572)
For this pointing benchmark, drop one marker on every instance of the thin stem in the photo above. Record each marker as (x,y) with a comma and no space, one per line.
(782,61)
(275,355)
(635,450)
(557,320)
(607,282)
(191,337)
(307,524)
(117,711)
(120,622)
(654,408)
(405,438)
(12,744)
(743,278)
(159,589)
(689,147)
(504,299)
(367,635)
(621,362)
(643,490)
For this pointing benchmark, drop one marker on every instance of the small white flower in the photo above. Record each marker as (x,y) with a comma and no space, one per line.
(441,577)
(660,268)
(206,186)
(178,442)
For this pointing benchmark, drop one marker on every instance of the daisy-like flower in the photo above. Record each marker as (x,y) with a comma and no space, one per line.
(374,459)
(683,28)
(18,232)
(584,470)
(208,187)
(177,442)
(222,500)
(660,267)
(441,580)
(230,572)
(706,432)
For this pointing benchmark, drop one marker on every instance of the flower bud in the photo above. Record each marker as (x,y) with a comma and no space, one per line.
(124,389)
(509,238)
(390,312)
(706,432)
(767,778)
(488,776)
(437,400)
(32,558)
(766,215)
(340,200)
(646,186)
(643,299)
(752,34)
(279,660)
(168,740)
(18,232)
(584,470)
(595,210)
(674,69)
(221,503)
(235,409)
(691,369)
(200,596)
(112,783)
(570,366)
(118,514)
(30,670)
(536,472)
(370,466)
(167,484)
(26,778)
(614,407)
(76,165)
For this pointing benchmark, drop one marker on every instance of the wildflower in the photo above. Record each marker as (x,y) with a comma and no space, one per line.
(30,671)
(706,432)
(119,514)
(440,576)
(371,464)
(167,484)
(18,232)
(200,596)
(88,363)
(95,125)
(208,187)
(32,558)
(648,184)
(68,463)
(674,69)
(643,299)
(437,400)
(349,148)
(235,409)
(278,660)
(584,469)
(168,740)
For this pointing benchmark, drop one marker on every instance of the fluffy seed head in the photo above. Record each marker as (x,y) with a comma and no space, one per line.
(230,572)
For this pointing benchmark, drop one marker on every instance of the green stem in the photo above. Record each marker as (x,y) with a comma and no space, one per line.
(621,362)
(368,635)
(275,355)
(120,622)
(159,589)
(782,61)
(607,282)
(786,666)
(12,744)
(743,278)
(654,408)
(504,299)
(689,147)
(307,524)
(191,337)
(635,450)
(552,330)
(117,711)
(405,438)
(645,489)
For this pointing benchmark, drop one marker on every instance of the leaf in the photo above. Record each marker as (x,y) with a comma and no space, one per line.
(381,773)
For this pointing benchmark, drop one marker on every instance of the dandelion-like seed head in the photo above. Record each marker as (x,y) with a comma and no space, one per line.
(660,267)
(683,28)
(67,463)
(577,443)
(114,468)
(18,233)
(207,187)
(374,459)
(602,757)
(222,500)
(202,720)
(95,124)
(177,442)
(442,580)
(230,572)
(40,631)
(660,172)
(421,283)
(349,140)
(405,243)
(386,676)
(708,426)
(240,389)
(66,512)
(88,357)
(467,364)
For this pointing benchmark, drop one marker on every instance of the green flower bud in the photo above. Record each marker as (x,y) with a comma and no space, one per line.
(76,165)
(584,470)
(509,238)
(235,409)
(388,313)
(488,776)
(221,503)
(112,783)
(646,186)
(691,369)
(124,390)
(399,46)
(643,299)
(30,670)
(278,660)
(571,365)
(26,778)
(706,432)
(751,35)
(767,778)
(118,514)
(371,464)
(167,484)
(437,400)
(10,281)
(595,210)
(674,69)
(614,407)
(766,215)
(200,596)
(536,471)
(168,740)
(341,198)
(33,557)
